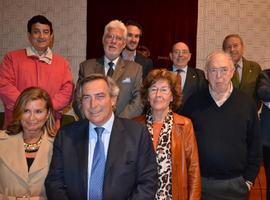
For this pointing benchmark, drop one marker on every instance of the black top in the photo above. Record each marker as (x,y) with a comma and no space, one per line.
(227,136)
(29,162)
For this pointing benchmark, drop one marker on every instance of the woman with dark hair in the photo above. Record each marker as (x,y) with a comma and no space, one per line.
(26,147)
(173,137)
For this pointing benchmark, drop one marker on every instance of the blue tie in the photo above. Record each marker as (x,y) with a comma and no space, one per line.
(98,167)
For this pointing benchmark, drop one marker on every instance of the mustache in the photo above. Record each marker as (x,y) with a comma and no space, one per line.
(40,40)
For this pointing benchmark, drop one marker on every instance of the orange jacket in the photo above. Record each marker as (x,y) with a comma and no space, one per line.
(186,179)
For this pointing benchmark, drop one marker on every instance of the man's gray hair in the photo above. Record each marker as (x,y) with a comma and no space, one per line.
(210,58)
(113,87)
(115,24)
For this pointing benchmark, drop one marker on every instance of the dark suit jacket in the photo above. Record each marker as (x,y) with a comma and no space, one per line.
(250,73)
(146,63)
(130,171)
(263,93)
(195,81)
(128,76)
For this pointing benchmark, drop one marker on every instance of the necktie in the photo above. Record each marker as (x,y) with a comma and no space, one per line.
(179,71)
(110,71)
(98,167)
(237,76)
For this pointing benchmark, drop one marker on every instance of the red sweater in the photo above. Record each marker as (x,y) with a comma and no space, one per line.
(19,71)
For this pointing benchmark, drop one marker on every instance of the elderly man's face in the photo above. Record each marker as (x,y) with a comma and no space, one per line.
(97,103)
(234,47)
(180,55)
(40,36)
(219,73)
(113,43)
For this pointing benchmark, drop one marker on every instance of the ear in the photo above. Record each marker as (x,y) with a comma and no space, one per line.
(114,100)
(170,55)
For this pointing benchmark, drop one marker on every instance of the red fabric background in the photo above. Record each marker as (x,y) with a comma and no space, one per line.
(164,23)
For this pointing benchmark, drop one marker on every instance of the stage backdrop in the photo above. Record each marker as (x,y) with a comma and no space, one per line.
(164,23)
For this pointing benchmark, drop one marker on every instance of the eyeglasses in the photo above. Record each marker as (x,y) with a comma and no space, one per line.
(163,90)
(112,37)
(179,51)
(222,70)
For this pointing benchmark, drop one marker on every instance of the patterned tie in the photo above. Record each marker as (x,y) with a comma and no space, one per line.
(110,71)
(237,76)
(179,71)
(98,167)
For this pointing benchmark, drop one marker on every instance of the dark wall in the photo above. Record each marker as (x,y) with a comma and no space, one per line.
(164,23)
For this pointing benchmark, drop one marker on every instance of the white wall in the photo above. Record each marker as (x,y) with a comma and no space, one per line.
(249,18)
(69,23)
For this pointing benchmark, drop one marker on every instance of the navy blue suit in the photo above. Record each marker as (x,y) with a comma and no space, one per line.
(130,171)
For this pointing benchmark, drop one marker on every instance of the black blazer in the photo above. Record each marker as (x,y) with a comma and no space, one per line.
(146,63)
(130,171)
(195,81)
(263,93)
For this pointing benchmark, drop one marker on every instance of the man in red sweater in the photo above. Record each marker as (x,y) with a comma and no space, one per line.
(37,66)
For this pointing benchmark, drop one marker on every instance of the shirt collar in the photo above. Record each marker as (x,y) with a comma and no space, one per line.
(106,61)
(107,126)
(240,63)
(46,57)
(183,68)
(126,56)
(225,96)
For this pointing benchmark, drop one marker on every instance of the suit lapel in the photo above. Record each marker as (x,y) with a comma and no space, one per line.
(119,69)
(12,153)
(114,149)
(246,73)
(43,156)
(81,146)
(100,68)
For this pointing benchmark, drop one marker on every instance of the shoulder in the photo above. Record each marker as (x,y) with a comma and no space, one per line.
(140,119)
(128,123)
(89,61)
(74,128)
(181,120)
(16,53)
(251,64)
(4,135)
(131,64)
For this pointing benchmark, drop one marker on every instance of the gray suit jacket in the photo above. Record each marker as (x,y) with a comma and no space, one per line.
(127,75)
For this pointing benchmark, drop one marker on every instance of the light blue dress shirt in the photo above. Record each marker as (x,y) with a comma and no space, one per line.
(182,74)
(92,142)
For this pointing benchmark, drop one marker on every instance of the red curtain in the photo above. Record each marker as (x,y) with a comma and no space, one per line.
(164,23)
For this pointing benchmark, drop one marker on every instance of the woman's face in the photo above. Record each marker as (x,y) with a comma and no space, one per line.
(34,116)
(160,95)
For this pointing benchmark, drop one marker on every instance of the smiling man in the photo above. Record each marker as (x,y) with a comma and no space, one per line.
(227,130)
(112,158)
(134,34)
(127,74)
(192,79)
(37,66)
(246,71)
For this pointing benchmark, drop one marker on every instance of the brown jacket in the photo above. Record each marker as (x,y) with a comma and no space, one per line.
(186,180)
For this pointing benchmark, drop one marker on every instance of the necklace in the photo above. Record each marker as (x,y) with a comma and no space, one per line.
(31,148)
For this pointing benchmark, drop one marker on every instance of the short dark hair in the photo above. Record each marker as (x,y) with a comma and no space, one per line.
(134,23)
(38,19)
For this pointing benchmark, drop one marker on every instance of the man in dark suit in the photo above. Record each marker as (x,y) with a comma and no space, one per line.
(102,157)
(134,33)
(192,79)
(263,93)
(246,72)
(127,74)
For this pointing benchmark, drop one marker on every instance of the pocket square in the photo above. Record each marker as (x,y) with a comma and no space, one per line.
(126,80)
